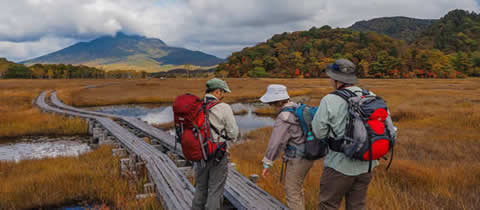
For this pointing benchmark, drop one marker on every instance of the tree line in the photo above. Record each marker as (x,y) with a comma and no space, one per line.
(10,70)
(447,49)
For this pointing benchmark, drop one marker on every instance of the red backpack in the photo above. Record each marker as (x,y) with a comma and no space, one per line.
(193,129)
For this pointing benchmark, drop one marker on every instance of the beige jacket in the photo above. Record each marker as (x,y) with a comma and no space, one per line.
(221,117)
(286,130)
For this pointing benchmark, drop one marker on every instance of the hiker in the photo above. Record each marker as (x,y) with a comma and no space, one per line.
(344,176)
(287,135)
(211,175)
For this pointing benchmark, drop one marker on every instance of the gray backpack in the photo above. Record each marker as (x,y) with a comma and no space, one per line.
(369,133)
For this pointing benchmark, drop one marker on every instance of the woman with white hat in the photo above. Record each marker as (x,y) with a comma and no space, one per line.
(287,136)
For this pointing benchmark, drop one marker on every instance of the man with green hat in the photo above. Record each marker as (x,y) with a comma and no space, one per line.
(211,176)
(342,176)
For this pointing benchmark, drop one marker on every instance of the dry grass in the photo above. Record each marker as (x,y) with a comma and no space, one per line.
(436,165)
(19,116)
(266,111)
(165,91)
(436,162)
(241,112)
(165,126)
(92,178)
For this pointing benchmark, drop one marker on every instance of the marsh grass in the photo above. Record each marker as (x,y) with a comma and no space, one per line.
(92,178)
(20,117)
(241,112)
(436,164)
(266,111)
(436,157)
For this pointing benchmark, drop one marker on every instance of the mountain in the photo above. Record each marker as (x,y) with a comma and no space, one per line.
(127,52)
(458,31)
(404,28)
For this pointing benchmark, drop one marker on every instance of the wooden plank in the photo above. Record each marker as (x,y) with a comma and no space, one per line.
(239,190)
(171,185)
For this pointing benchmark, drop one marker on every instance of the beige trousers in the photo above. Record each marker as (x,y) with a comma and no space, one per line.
(295,174)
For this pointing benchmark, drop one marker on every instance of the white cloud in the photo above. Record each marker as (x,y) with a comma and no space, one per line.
(18,51)
(29,28)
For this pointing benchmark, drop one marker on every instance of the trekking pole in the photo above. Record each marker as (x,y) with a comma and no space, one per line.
(284,166)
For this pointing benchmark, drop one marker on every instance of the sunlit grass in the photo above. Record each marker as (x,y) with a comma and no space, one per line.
(93,178)
(436,163)
(435,167)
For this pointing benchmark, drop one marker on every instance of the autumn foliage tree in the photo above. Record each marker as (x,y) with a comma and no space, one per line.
(449,47)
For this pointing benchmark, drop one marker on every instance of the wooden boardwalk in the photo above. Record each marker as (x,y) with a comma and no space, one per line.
(239,190)
(171,185)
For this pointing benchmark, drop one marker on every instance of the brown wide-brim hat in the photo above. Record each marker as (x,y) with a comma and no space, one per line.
(342,70)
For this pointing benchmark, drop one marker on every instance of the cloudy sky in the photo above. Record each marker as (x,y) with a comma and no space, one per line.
(31,28)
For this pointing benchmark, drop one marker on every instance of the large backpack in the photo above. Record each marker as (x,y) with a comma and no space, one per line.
(314,148)
(369,133)
(193,129)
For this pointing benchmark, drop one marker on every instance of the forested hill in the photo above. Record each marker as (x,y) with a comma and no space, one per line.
(458,31)
(13,70)
(404,28)
(305,53)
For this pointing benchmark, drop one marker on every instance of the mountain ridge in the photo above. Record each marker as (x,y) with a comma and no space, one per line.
(126,52)
(399,27)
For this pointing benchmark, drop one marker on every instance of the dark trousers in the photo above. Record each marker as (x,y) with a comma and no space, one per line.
(209,185)
(335,185)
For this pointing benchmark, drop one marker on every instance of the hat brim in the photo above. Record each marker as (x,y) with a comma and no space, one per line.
(266,99)
(345,78)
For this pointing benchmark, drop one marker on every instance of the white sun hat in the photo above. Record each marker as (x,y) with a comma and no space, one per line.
(275,93)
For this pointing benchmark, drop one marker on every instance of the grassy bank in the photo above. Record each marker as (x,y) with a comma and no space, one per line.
(436,162)
(92,178)
(20,117)
(165,91)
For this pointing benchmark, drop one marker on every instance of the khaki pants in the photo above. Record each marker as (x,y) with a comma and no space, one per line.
(334,185)
(295,174)
(209,185)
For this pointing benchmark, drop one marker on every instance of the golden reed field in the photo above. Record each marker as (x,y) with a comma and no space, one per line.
(436,163)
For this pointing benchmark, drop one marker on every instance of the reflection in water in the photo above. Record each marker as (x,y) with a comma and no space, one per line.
(158,115)
(22,151)
(164,114)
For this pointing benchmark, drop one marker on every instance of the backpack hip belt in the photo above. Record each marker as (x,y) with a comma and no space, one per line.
(295,151)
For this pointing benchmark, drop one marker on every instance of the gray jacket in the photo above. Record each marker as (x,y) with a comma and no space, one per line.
(286,130)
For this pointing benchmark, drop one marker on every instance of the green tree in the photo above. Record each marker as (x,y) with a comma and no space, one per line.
(463,63)
(258,72)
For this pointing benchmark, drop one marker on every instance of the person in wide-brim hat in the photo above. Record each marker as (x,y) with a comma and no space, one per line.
(288,133)
(342,177)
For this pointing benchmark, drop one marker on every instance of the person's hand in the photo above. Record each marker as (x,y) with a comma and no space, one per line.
(265,172)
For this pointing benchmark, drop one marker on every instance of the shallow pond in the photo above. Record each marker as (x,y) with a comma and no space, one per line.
(246,121)
(36,150)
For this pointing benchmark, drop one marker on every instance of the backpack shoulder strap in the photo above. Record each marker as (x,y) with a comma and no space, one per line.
(345,94)
(365,92)
(208,104)
(288,109)
(298,113)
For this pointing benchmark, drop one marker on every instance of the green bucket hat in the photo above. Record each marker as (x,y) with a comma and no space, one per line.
(217,84)
(342,70)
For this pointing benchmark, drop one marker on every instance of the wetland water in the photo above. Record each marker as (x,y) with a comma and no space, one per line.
(247,120)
